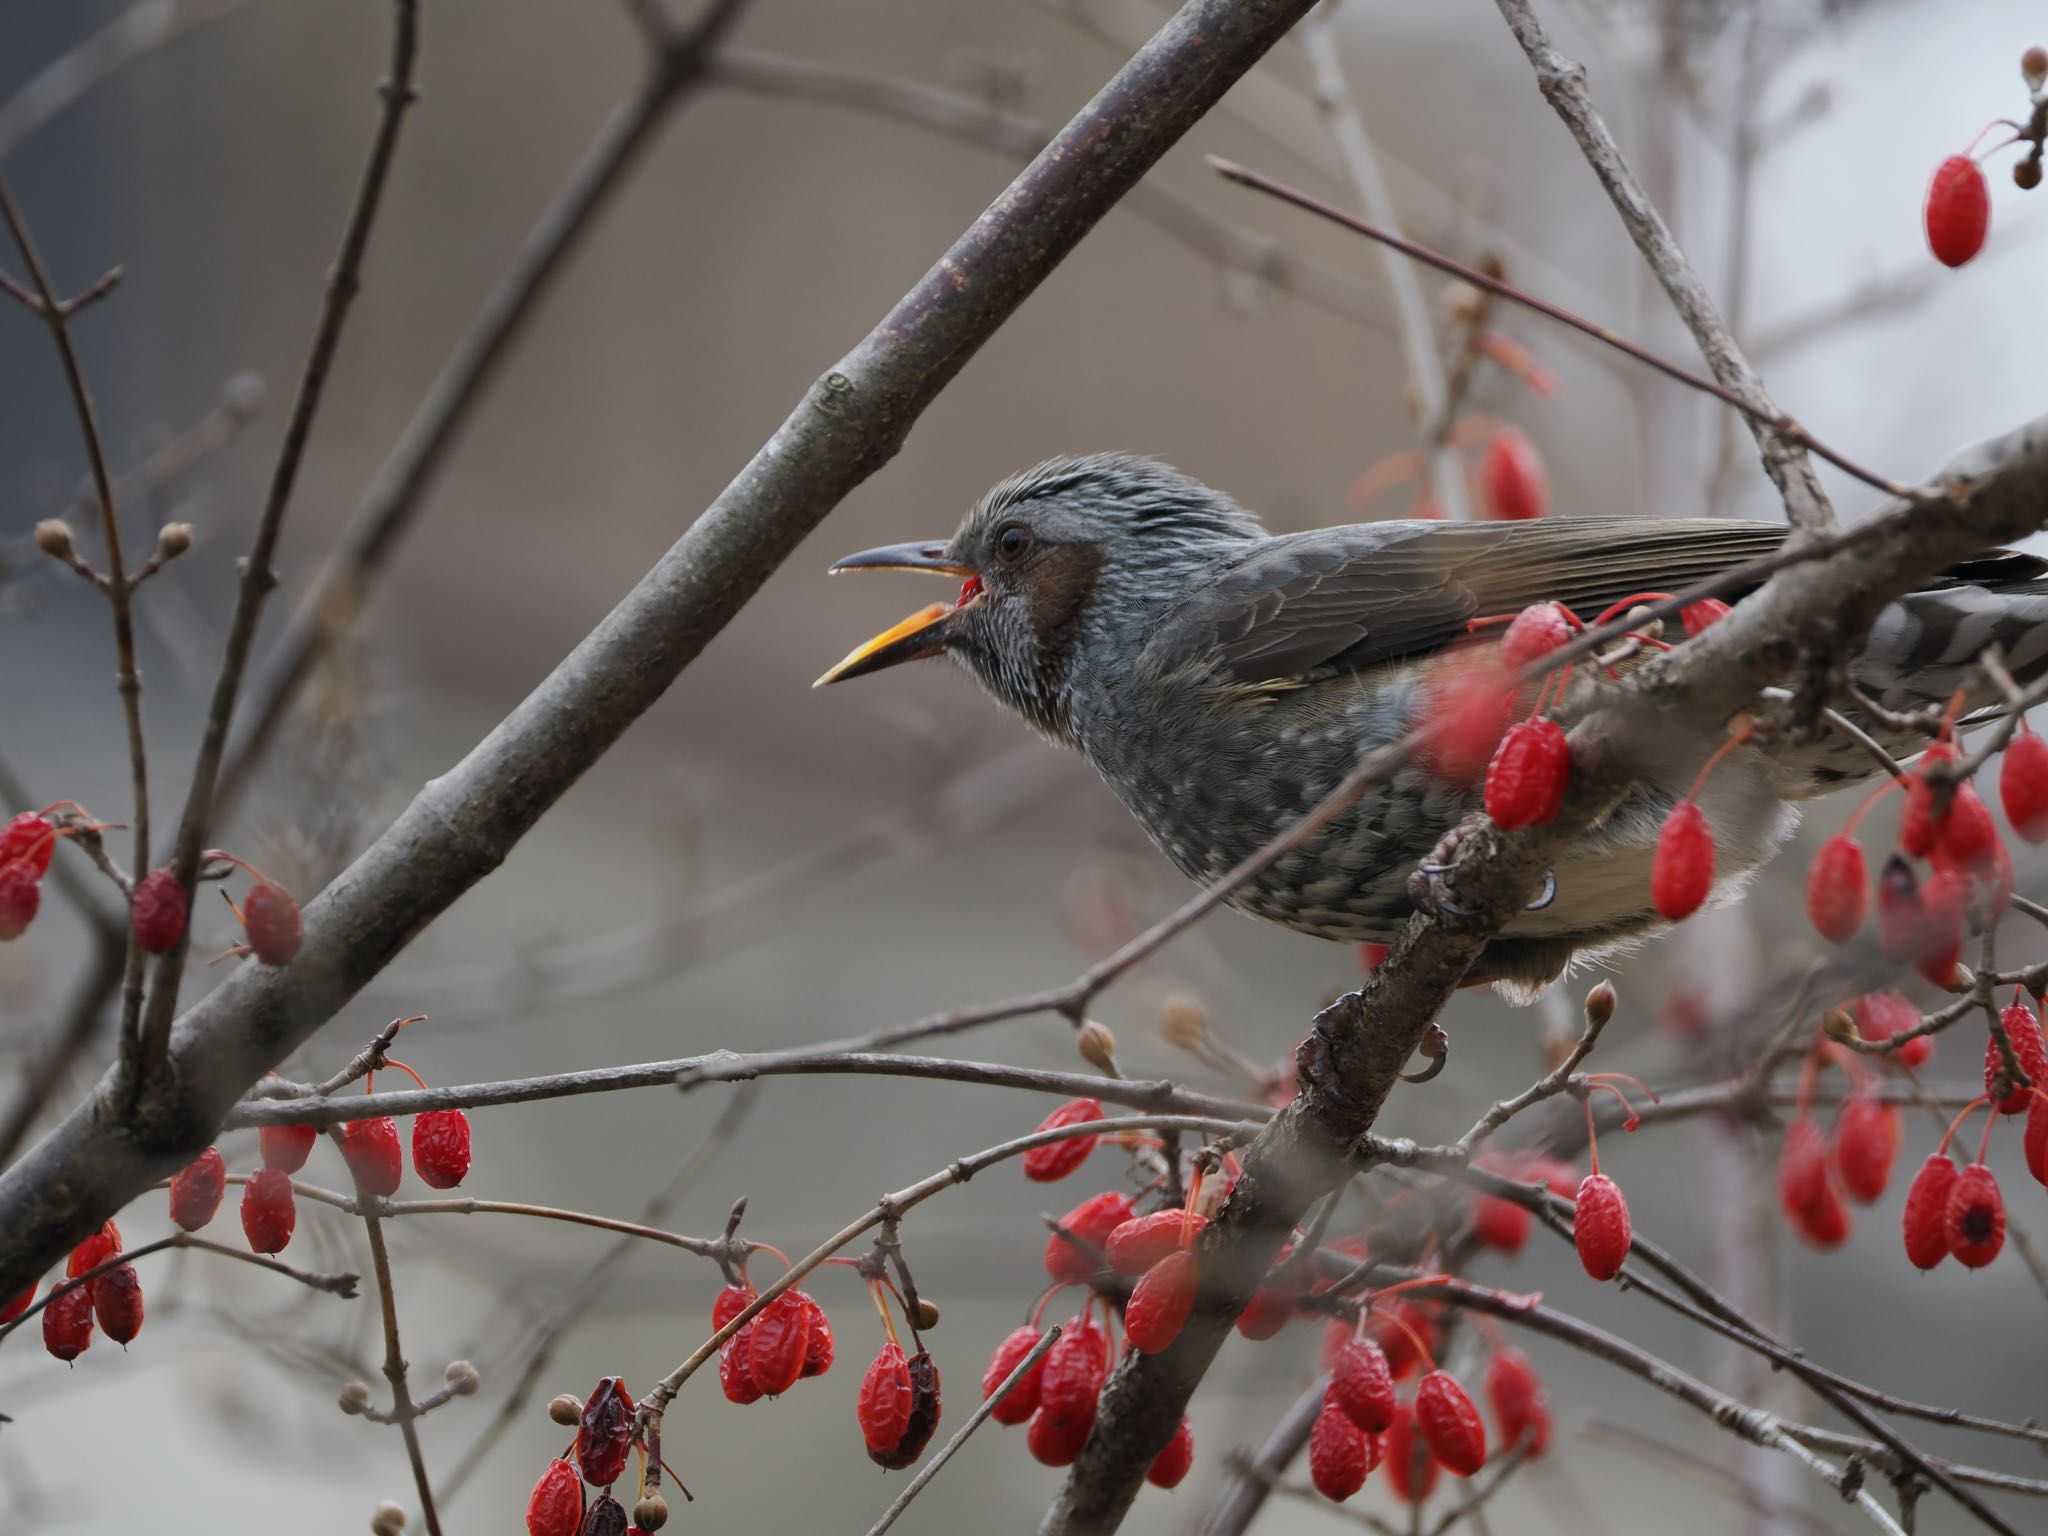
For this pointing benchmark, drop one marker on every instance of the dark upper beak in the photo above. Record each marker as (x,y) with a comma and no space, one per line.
(924,633)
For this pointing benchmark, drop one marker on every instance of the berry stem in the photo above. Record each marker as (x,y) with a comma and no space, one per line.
(1957,1123)
(1735,739)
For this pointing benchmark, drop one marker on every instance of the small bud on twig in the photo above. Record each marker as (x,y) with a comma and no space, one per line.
(53,538)
(566,1410)
(462,1378)
(651,1513)
(2034,66)
(1836,1024)
(172,540)
(927,1314)
(1183,1021)
(1097,1047)
(389,1520)
(354,1398)
(1600,1005)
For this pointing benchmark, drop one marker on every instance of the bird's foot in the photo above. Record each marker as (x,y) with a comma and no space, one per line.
(1427,886)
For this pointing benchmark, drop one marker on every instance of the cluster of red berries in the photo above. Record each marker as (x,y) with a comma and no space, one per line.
(785,1341)
(27,843)
(607,1432)
(1817,1170)
(1957,210)
(111,1298)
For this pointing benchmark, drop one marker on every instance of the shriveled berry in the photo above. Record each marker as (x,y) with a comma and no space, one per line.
(2023,1031)
(1362,1384)
(1974,1219)
(1704,614)
(1533,634)
(1802,1167)
(1527,779)
(1068,1384)
(158,911)
(920,1409)
(555,1507)
(604,1433)
(1022,1401)
(1057,1159)
(2023,786)
(269,1211)
(1270,1310)
(1866,1146)
(735,1373)
(94,1251)
(1091,1222)
(605,1517)
(1682,869)
(1449,1423)
(20,896)
(883,1407)
(1944,902)
(1520,1407)
(286,1147)
(1410,1466)
(1512,477)
(271,918)
(196,1190)
(1824,1223)
(1143,1241)
(440,1147)
(1340,1454)
(370,1147)
(1056,1442)
(1171,1466)
(1957,212)
(1600,1226)
(1880,1015)
(730,1303)
(1926,1216)
(67,1323)
(31,838)
(19,1305)
(1160,1303)
(2036,1141)
(117,1303)
(1837,889)
(781,1334)
(819,1348)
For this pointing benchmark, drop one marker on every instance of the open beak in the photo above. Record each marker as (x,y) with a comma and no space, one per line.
(924,633)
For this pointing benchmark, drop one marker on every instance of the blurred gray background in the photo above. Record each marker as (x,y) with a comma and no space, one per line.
(761,865)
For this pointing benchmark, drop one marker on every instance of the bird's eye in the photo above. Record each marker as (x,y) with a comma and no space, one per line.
(1013,542)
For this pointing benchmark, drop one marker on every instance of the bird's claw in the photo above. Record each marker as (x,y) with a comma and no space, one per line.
(1549,892)
(1436,1046)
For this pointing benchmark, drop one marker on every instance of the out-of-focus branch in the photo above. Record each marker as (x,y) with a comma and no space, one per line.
(463,823)
(1253,1479)
(148,1056)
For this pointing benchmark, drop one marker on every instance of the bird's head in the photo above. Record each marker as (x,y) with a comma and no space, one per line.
(1048,560)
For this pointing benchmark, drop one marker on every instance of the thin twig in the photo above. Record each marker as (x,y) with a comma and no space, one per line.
(403,1409)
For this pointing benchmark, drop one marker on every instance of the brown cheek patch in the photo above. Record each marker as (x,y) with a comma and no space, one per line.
(1059,588)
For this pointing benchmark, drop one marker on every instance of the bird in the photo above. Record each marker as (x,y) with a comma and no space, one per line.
(1222,680)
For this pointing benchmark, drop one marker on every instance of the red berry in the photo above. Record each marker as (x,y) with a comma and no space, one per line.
(1824,1223)
(1068,1383)
(1362,1384)
(731,1302)
(31,838)
(1965,834)
(1143,1241)
(158,911)
(2023,786)
(1091,1221)
(1512,475)
(1023,1399)
(94,1251)
(1682,870)
(781,1335)
(1866,1146)
(921,1419)
(1526,781)
(1519,1405)
(271,919)
(604,1434)
(1057,1159)
(370,1148)
(1466,707)
(1171,1466)
(1410,1466)
(2036,1143)
(1270,1309)
(1958,211)
(67,1323)
(286,1147)
(1880,1015)
(117,1302)
(735,1372)
(1534,633)
(269,1211)
(1449,1423)
(555,1507)
(1901,920)
(883,1407)
(440,1147)
(19,1305)
(1340,1454)
(1160,1303)
(1056,1442)
(819,1351)
(1704,614)
(1974,1219)
(1500,1224)
(197,1189)
(1600,1226)
(1802,1168)
(2023,1033)
(1926,1218)
(1943,903)
(20,895)
(1837,889)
